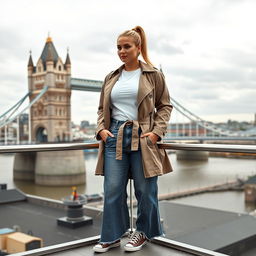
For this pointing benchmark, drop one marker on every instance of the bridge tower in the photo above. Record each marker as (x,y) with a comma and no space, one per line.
(50,116)
(50,119)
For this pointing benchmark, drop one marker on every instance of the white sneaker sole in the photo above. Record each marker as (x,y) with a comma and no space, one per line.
(134,249)
(99,249)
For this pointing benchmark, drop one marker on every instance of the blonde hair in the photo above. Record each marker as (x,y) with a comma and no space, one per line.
(139,37)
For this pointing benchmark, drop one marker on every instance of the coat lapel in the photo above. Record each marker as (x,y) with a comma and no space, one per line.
(107,101)
(145,86)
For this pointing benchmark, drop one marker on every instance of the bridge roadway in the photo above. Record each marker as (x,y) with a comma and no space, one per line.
(86,84)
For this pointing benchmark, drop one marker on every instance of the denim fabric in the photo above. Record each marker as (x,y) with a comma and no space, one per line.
(115,220)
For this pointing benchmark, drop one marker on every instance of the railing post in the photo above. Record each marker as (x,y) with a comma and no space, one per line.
(131,208)
(29,126)
(18,129)
(5,135)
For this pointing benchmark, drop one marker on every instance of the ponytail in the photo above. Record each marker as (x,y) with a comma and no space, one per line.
(139,37)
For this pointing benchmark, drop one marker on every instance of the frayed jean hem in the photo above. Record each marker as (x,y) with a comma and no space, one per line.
(111,242)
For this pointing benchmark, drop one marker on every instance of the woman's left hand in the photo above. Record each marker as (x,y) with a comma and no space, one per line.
(152,136)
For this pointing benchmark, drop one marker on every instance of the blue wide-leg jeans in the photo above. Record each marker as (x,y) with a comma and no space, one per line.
(115,220)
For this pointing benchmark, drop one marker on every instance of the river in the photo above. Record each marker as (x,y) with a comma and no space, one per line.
(186,175)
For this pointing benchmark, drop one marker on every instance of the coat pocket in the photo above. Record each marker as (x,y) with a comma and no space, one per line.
(150,156)
(149,142)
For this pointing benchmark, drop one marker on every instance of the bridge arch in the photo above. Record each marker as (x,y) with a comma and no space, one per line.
(41,134)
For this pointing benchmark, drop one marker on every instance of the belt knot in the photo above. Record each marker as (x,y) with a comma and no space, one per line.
(135,138)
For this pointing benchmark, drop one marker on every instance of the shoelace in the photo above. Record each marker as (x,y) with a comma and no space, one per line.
(136,237)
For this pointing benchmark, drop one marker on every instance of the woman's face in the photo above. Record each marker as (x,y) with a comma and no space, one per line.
(127,51)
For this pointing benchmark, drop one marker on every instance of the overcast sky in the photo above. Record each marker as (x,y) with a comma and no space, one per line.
(207,49)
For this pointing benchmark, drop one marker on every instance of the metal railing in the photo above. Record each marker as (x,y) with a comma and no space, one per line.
(250,149)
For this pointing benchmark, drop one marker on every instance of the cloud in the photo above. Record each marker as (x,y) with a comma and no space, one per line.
(241,58)
(162,45)
(211,76)
(10,44)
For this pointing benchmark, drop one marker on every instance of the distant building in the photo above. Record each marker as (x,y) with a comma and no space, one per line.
(23,126)
(84,124)
(187,129)
(8,133)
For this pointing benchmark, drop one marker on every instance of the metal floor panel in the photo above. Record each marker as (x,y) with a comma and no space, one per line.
(150,249)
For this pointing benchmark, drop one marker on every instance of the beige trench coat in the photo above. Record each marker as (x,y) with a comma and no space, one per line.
(154,110)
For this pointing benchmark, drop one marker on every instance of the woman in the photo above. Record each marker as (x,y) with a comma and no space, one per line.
(133,114)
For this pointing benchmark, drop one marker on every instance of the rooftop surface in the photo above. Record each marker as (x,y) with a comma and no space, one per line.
(41,221)
(207,228)
(194,226)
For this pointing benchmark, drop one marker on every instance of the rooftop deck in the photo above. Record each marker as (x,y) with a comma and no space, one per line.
(38,216)
(159,246)
(85,249)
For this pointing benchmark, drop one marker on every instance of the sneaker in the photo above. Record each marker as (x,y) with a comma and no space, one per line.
(137,240)
(104,247)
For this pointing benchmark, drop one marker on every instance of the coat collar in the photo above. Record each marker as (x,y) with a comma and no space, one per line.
(144,68)
(145,86)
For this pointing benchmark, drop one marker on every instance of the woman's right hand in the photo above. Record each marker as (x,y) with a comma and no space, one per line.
(104,134)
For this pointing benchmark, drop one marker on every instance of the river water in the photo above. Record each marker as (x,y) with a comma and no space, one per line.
(186,175)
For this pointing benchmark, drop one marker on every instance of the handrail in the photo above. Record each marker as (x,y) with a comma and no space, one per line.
(250,149)
(60,247)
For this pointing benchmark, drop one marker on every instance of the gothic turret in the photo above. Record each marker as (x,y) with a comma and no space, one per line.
(49,53)
(68,63)
(31,70)
(30,61)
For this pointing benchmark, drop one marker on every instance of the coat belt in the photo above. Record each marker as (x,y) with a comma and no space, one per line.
(135,137)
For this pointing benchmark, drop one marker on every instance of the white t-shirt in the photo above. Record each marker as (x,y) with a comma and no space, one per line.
(124,96)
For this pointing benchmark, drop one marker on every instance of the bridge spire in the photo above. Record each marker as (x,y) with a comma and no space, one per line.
(49,52)
(30,61)
(67,62)
(49,39)
(49,56)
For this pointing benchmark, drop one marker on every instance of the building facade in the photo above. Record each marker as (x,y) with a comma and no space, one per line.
(51,115)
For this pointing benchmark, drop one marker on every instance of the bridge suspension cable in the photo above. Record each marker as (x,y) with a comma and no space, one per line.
(15,107)
(10,119)
(198,120)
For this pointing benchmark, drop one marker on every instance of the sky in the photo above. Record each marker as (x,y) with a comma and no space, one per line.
(207,49)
